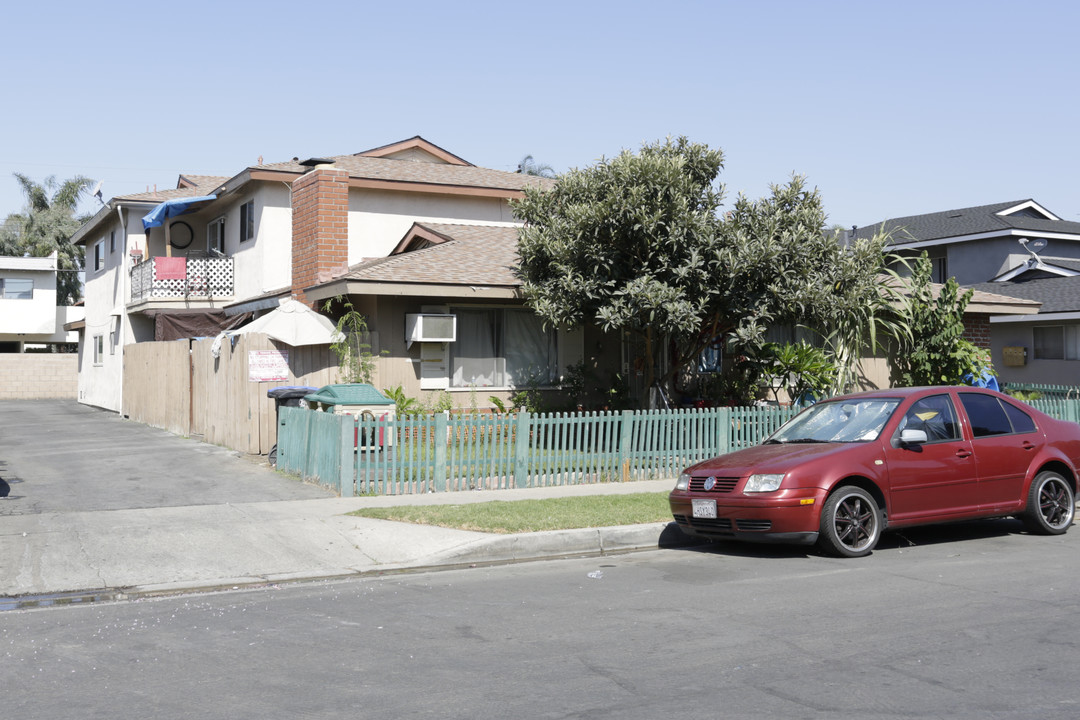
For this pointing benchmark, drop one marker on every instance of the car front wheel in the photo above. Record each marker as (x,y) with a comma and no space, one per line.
(850,523)
(1050,505)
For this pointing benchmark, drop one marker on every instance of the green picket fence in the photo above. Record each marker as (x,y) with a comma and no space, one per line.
(443,453)
(462,452)
(1048,392)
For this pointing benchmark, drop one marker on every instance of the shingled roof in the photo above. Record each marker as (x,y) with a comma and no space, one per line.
(410,171)
(482,255)
(1057,295)
(1027,216)
(187,186)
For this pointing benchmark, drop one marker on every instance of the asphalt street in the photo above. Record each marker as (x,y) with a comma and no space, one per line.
(973,621)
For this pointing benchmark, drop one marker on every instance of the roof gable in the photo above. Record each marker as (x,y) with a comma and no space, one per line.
(448,254)
(415,149)
(1029,209)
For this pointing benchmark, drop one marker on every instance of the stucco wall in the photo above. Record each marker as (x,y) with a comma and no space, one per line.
(1039,372)
(264,263)
(38,375)
(378,219)
(36,316)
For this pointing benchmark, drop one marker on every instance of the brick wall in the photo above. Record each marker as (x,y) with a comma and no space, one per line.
(25,376)
(977,329)
(320,228)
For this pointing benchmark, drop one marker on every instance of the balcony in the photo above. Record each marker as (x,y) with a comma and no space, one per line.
(187,278)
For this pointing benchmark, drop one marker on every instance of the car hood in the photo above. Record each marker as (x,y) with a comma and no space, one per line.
(776,458)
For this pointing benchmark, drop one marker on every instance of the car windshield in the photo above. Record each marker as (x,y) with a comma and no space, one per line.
(838,421)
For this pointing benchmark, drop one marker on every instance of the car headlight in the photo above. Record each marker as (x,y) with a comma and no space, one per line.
(763,483)
(683,482)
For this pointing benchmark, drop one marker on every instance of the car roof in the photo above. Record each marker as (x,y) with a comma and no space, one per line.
(910,391)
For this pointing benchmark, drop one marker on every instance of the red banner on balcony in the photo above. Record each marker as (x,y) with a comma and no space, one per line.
(170,268)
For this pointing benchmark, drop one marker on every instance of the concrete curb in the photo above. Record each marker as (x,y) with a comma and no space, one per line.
(564,543)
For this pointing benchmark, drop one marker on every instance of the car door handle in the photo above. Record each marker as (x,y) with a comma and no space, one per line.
(1027,445)
(963,453)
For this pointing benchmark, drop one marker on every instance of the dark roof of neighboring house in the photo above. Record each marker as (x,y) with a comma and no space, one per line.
(468,255)
(1067,263)
(1059,294)
(968,221)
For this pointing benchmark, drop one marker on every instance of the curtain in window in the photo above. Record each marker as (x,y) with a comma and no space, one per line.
(1072,342)
(529,351)
(474,353)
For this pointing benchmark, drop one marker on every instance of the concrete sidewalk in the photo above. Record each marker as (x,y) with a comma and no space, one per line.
(142,551)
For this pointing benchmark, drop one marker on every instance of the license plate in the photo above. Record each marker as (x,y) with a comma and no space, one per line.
(704,508)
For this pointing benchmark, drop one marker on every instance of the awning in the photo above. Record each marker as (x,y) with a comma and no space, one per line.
(172,208)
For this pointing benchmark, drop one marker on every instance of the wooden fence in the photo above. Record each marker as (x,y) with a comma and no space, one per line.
(181,387)
(462,452)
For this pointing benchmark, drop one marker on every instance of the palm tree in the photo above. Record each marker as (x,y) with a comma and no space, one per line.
(528,166)
(46,226)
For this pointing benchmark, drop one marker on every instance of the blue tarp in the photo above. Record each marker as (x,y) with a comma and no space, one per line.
(172,208)
(985,380)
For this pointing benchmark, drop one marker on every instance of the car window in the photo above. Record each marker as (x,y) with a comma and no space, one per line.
(933,415)
(986,414)
(851,420)
(1021,421)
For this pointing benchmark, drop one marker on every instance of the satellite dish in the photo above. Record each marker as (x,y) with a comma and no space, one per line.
(97,191)
(1032,246)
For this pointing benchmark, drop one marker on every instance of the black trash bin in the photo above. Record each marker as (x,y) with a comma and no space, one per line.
(289,396)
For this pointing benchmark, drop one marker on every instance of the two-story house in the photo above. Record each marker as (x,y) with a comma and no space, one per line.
(404,231)
(29,315)
(1017,249)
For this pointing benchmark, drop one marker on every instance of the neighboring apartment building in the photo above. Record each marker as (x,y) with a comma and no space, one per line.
(216,249)
(29,315)
(1018,249)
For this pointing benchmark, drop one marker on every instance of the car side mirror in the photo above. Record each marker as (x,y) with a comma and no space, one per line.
(910,436)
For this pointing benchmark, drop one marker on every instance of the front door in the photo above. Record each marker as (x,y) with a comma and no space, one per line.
(935,478)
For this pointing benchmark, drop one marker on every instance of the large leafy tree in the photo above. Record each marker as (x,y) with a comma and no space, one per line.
(637,243)
(936,352)
(46,226)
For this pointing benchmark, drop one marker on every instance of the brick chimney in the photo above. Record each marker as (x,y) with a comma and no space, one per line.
(320,226)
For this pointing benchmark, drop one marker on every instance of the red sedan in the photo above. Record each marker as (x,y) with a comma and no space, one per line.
(844,470)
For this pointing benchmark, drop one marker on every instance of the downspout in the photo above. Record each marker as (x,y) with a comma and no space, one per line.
(125,287)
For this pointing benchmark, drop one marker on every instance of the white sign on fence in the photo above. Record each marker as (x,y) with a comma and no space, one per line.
(268,365)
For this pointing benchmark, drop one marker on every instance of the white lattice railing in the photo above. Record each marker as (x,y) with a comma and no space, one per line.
(203,278)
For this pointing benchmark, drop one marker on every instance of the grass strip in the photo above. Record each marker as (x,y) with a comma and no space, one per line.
(523,516)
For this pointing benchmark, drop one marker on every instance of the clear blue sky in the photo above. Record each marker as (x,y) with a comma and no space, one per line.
(889,108)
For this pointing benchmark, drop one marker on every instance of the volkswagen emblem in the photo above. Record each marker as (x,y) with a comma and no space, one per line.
(710,483)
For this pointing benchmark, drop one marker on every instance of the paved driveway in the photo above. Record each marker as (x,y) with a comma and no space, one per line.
(60,456)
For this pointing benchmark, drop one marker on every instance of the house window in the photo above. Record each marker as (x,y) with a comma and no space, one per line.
(247,220)
(99,349)
(502,347)
(112,241)
(99,255)
(17,289)
(215,236)
(1057,342)
(939,269)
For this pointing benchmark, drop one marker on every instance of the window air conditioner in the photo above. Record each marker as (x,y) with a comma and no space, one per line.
(430,327)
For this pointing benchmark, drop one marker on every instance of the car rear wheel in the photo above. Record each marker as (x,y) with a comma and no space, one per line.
(850,523)
(1050,505)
